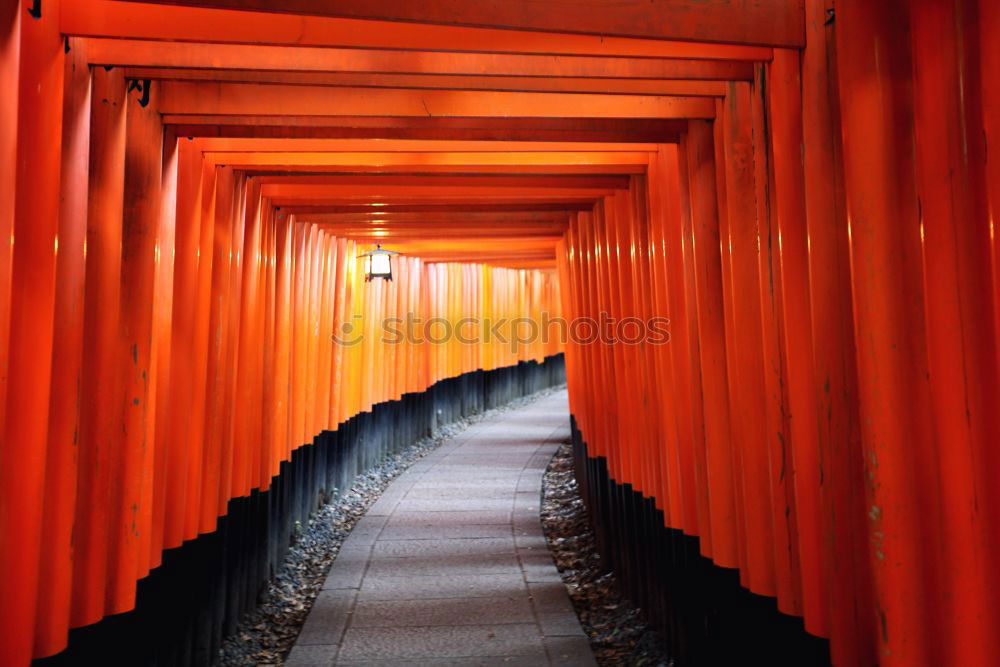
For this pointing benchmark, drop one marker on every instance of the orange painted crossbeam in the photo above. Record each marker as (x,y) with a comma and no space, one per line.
(481,218)
(285,194)
(418,161)
(99,18)
(289,59)
(443,229)
(771,22)
(681,87)
(263,144)
(511,246)
(631,130)
(395,184)
(249,99)
(320,203)
(542,169)
(378,208)
(477,218)
(469,238)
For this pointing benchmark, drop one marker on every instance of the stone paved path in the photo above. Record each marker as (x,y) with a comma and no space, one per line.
(449,566)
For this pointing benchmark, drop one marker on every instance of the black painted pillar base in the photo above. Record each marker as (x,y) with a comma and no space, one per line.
(707,617)
(186,607)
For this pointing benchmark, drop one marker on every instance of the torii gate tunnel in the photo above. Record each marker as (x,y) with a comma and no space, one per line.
(757,239)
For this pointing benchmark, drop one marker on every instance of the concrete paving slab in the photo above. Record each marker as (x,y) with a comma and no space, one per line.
(453,504)
(457,611)
(445,565)
(442,642)
(311,656)
(327,619)
(433,586)
(445,548)
(460,492)
(432,532)
(569,651)
(457,518)
(348,569)
(550,598)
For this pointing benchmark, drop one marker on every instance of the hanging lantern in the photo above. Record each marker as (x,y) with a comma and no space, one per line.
(378,263)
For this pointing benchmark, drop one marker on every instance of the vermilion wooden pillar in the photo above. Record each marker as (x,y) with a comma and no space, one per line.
(988,19)
(246,383)
(202,334)
(132,459)
(711,330)
(233,214)
(56,576)
(338,391)
(216,427)
(181,408)
(263,462)
(961,336)
(99,408)
(898,448)
(662,202)
(162,489)
(28,357)
(844,537)
(10,58)
(660,445)
(785,116)
(736,430)
(786,560)
(691,355)
(740,245)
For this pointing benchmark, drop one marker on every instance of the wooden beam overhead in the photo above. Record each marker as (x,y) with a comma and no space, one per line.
(447,181)
(441,217)
(469,233)
(142,53)
(774,22)
(202,126)
(432,208)
(211,144)
(346,196)
(417,161)
(458,170)
(493,129)
(134,20)
(184,97)
(605,86)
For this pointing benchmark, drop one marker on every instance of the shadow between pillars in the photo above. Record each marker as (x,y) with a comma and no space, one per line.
(707,617)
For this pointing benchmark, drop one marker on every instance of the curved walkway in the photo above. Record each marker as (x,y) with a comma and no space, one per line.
(449,566)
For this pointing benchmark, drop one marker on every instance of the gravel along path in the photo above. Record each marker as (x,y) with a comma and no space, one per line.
(267,634)
(618,634)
